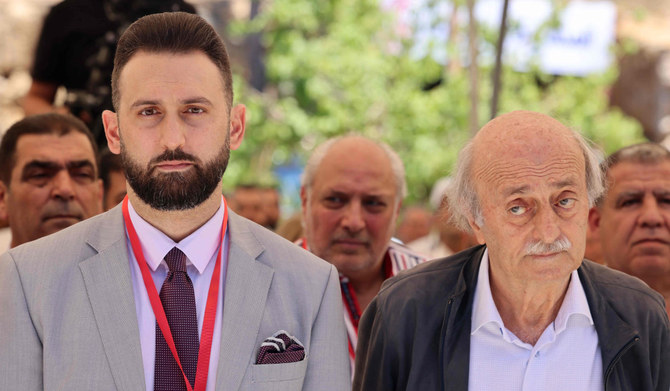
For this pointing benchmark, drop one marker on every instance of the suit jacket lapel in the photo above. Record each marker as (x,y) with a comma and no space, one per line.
(108,283)
(247,285)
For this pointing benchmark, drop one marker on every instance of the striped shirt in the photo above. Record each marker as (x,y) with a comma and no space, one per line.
(398,257)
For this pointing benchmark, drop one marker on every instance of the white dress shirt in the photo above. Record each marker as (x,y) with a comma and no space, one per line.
(566,357)
(201,247)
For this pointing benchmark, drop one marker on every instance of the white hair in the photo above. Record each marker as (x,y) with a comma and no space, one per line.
(315,159)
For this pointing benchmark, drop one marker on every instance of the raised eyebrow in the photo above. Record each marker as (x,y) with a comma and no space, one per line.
(565,183)
(515,190)
(524,188)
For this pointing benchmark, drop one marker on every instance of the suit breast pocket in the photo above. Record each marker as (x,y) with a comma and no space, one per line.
(290,372)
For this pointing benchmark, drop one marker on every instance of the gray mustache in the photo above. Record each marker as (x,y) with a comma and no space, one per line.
(539,248)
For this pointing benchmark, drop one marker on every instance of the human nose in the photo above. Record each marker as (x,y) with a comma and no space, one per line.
(62,186)
(546,225)
(650,215)
(172,133)
(353,217)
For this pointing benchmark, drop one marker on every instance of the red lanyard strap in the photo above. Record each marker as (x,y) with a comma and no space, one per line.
(207,333)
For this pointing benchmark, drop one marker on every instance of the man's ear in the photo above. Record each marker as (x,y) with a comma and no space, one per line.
(3,202)
(594,220)
(237,125)
(303,200)
(476,230)
(111,124)
(398,208)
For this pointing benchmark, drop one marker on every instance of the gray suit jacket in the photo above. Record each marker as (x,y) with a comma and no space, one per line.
(68,322)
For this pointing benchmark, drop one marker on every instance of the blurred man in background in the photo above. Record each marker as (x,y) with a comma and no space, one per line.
(247,201)
(444,238)
(352,190)
(415,223)
(48,176)
(271,210)
(259,204)
(632,221)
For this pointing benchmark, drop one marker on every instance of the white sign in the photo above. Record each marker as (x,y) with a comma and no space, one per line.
(580,46)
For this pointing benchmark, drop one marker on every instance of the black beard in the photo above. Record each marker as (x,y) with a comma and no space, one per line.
(176,190)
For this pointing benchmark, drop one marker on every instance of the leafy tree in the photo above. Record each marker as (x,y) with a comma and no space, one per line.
(336,66)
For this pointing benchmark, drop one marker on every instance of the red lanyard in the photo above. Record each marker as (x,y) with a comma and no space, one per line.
(210,308)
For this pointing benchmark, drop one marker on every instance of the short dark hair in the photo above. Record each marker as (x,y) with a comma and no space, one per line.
(171,32)
(39,124)
(109,163)
(643,153)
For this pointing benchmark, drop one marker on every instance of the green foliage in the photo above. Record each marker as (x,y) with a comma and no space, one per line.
(335,67)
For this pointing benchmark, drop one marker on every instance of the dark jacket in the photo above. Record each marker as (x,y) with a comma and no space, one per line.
(415,335)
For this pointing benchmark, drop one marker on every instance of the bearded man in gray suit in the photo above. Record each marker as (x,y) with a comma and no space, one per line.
(239,308)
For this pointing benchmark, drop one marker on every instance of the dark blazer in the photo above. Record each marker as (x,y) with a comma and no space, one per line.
(415,335)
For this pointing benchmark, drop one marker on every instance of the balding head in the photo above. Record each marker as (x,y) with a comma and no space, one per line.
(352,190)
(520,132)
(363,144)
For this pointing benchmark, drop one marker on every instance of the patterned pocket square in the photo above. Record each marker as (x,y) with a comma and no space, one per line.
(281,348)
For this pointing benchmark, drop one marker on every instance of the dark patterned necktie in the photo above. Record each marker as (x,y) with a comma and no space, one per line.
(178,302)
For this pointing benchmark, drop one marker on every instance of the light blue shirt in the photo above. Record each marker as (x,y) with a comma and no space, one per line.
(566,357)
(201,247)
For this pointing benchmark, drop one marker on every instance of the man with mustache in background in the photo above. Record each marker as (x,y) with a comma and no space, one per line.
(524,310)
(48,176)
(352,190)
(632,221)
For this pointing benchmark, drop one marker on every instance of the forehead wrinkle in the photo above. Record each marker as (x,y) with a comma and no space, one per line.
(499,172)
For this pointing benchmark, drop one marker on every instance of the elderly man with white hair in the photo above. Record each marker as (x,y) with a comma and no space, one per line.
(522,311)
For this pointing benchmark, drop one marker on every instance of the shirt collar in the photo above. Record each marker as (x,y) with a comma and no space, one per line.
(574,303)
(485,310)
(199,246)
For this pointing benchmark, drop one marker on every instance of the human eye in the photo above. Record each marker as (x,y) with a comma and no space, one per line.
(333,201)
(517,210)
(195,110)
(628,202)
(148,111)
(374,204)
(83,175)
(663,199)
(37,177)
(567,203)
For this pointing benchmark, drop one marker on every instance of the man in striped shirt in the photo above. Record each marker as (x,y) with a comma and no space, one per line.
(352,189)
